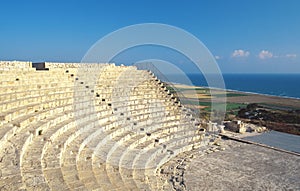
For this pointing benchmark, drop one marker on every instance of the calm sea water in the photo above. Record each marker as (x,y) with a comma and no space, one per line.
(279,140)
(287,85)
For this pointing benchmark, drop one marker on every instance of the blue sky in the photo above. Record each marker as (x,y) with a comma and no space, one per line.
(245,36)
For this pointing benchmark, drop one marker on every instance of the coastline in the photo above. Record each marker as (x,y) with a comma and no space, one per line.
(278,134)
(234,91)
(241,98)
(255,93)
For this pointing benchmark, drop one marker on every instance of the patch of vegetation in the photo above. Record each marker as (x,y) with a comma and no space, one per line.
(218,106)
(282,116)
(273,118)
(192,102)
(170,88)
(230,95)
(196,89)
(278,107)
(207,92)
(234,106)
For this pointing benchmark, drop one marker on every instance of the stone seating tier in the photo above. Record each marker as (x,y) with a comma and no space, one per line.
(94,126)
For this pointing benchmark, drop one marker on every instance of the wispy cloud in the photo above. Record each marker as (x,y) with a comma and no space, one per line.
(265,54)
(291,55)
(240,53)
(217,57)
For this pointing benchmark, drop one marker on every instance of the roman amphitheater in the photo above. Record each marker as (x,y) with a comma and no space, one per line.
(88,127)
(104,127)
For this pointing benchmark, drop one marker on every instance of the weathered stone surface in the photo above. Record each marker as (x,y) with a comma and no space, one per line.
(74,126)
(244,167)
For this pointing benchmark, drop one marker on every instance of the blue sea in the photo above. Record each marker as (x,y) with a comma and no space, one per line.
(284,85)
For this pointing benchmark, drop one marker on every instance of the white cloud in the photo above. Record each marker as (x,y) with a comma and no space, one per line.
(265,54)
(240,53)
(291,55)
(217,57)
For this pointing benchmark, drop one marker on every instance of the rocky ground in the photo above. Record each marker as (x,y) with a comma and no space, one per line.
(242,167)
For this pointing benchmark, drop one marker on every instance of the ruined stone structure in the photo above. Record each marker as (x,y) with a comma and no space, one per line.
(88,127)
(239,126)
(236,126)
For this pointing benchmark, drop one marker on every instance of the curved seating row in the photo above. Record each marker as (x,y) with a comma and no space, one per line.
(88,127)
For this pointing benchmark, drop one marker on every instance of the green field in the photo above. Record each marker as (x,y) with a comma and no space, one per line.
(220,106)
